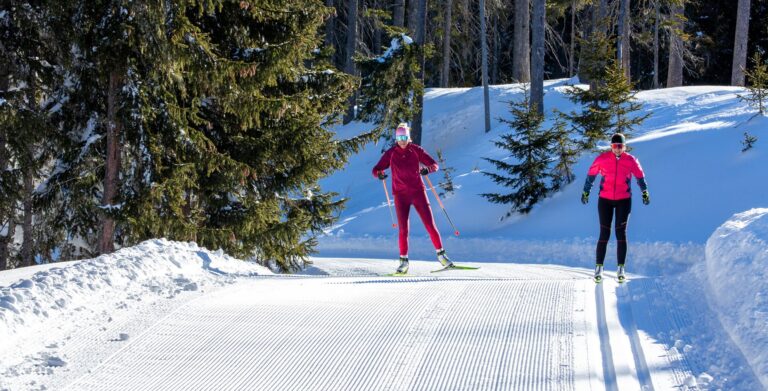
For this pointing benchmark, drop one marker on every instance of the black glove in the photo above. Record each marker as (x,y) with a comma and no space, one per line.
(646,197)
(424,171)
(382,176)
(585,197)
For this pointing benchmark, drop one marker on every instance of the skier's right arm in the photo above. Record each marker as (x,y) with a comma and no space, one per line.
(383,164)
(594,169)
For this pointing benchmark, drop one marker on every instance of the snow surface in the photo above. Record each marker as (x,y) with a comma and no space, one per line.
(59,314)
(737,270)
(168,315)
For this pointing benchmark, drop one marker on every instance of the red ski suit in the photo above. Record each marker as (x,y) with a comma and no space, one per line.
(408,189)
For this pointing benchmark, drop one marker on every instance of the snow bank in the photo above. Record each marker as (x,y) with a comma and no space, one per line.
(737,270)
(83,290)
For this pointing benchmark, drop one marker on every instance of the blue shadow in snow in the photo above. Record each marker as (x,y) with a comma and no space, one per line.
(207,263)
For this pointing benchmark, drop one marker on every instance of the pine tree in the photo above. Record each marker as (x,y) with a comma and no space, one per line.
(748,142)
(566,153)
(608,107)
(529,177)
(758,84)
(446,186)
(591,122)
(621,102)
(220,111)
(390,84)
(31,67)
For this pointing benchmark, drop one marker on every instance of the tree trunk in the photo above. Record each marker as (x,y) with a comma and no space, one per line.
(329,25)
(112,163)
(413,17)
(740,44)
(28,243)
(398,12)
(7,227)
(448,23)
(521,48)
(496,50)
(624,32)
(466,53)
(484,46)
(600,19)
(6,242)
(421,33)
(330,33)
(537,54)
(349,63)
(572,50)
(675,67)
(377,33)
(28,181)
(589,28)
(656,45)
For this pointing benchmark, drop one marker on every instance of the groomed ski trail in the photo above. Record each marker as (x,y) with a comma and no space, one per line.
(473,330)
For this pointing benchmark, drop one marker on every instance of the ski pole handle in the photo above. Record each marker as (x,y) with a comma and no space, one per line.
(389,204)
(455,231)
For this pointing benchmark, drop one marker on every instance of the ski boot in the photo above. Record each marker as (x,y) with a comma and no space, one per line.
(403,268)
(620,275)
(444,259)
(598,278)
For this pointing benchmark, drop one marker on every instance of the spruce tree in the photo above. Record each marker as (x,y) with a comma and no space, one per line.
(608,107)
(446,186)
(31,65)
(566,153)
(390,84)
(758,84)
(592,121)
(528,176)
(221,111)
(621,102)
(748,142)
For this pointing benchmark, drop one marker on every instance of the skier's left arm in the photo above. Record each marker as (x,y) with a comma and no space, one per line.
(637,171)
(429,164)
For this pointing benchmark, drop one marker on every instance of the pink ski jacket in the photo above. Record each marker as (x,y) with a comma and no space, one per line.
(405,165)
(617,173)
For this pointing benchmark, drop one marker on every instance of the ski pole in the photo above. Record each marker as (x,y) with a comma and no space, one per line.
(389,204)
(455,231)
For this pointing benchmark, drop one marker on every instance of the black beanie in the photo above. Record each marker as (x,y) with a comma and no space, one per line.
(618,138)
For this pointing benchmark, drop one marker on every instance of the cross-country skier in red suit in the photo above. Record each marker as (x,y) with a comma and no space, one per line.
(408,162)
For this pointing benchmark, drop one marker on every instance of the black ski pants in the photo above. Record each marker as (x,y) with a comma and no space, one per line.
(605,209)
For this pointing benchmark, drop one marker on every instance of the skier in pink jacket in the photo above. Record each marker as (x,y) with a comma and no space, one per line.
(617,168)
(408,162)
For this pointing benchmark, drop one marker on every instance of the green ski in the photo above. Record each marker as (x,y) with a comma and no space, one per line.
(398,275)
(455,267)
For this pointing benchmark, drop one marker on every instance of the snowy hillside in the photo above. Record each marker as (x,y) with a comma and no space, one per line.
(690,149)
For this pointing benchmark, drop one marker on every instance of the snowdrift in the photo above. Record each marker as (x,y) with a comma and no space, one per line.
(737,270)
(70,293)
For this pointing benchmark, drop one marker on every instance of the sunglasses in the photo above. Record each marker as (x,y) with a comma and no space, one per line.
(401,138)
(617,145)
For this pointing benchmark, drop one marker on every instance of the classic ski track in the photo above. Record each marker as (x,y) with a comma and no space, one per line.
(353,333)
(663,319)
